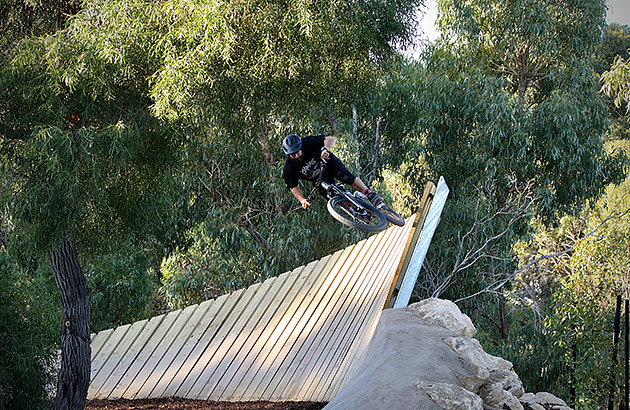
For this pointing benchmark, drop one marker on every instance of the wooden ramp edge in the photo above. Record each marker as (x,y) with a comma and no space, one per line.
(299,336)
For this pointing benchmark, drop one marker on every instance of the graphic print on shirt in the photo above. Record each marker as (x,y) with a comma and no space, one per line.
(311,171)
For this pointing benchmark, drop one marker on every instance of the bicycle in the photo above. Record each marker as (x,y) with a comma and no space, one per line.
(354,210)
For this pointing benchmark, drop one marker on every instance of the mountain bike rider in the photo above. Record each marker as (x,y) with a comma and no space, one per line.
(302,163)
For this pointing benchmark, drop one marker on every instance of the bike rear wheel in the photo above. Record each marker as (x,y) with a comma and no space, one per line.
(365,217)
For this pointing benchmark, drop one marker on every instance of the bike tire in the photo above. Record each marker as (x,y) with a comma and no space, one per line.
(367,219)
(392,216)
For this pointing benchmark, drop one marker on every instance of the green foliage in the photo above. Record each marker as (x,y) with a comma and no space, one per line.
(28,330)
(120,287)
(616,81)
(615,42)
(26,18)
(530,131)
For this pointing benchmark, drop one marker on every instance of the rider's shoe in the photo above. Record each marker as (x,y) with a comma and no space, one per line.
(361,196)
(376,200)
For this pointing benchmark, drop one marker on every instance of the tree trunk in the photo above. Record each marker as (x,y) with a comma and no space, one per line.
(74,376)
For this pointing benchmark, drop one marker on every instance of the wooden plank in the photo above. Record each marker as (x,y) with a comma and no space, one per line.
(317,283)
(129,356)
(418,223)
(107,349)
(159,343)
(420,251)
(323,323)
(221,351)
(360,332)
(347,314)
(252,364)
(116,357)
(248,338)
(98,341)
(188,354)
(148,341)
(177,339)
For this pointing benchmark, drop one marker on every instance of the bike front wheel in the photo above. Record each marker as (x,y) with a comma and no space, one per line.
(392,216)
(365,217)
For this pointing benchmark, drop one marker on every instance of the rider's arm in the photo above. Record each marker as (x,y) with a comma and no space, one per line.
(329,142)
(297,192)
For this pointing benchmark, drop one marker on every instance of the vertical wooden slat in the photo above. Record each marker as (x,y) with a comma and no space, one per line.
(98,341)
(152,337)
(160,343)
(363,324)
(328,318)
(108,347)
(308,318)
(189,353)
(108,370)
(247,339)
(129,357)
(219,353)
(287,337)
(256,359)
(177,352)
(345,322)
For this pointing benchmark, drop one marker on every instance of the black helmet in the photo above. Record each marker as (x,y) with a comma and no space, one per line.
(291,144)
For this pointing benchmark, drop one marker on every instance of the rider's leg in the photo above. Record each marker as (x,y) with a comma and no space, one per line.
(358,185)
(342,174)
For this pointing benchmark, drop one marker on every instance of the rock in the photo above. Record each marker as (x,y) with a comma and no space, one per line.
(492,394)
(510,402)
(477,360)
(443,313)
(543,401)
(510,381)
(451,397)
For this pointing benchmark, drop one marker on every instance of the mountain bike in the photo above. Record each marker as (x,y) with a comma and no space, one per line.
(354,210)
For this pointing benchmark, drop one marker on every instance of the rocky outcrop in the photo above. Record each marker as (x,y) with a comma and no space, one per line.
(425,357)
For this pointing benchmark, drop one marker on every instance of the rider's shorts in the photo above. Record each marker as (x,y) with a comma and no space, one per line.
(336,170)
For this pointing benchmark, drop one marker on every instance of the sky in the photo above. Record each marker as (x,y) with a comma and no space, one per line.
(618,12)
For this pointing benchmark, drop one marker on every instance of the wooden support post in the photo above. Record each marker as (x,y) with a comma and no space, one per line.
(613,367)
(627,361)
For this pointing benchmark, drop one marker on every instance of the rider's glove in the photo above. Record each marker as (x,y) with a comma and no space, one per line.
(324,154)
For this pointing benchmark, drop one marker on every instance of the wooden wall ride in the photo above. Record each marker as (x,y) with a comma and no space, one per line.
(299,336)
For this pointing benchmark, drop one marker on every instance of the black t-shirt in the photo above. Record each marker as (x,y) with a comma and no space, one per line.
(310,168)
